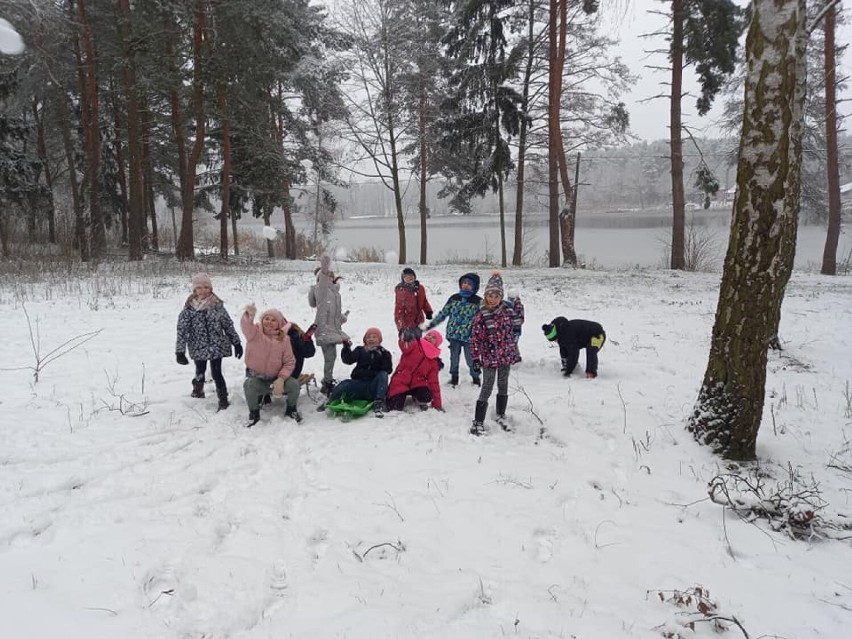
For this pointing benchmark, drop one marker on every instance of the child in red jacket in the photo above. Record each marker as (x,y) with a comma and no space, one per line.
(417,373)
(411,308)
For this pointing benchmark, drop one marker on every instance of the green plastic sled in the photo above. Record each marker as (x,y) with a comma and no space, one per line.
(349,408)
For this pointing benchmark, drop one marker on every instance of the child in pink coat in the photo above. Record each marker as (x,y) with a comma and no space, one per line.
(417,373)
(269,357)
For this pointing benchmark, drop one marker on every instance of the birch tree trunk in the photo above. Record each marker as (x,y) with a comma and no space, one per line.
(762,244)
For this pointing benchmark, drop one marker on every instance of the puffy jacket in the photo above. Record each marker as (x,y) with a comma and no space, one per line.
(492,341)
(410,306)
(416,370)
(330,317)
(459,311)
(267,356)
(368,363)
(209,333)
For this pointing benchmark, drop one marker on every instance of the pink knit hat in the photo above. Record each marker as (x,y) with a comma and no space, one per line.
(373,331)
(201,279)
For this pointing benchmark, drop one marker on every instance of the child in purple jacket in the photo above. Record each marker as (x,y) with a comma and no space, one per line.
(494,350)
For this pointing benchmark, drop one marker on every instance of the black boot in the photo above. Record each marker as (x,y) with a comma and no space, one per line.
(254,417)
(565,371)
(476,382)
(197,387)
(478,425)
(454,380)
(222,394)
(293,413)
(502,400)
(327,386)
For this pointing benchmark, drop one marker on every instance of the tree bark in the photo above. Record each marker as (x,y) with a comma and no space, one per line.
(91,128)
(185,249)
(226,171)
(553,138)
(136,208)
(762,243)
(832,237)
(81,239)
(119,161)
(676,142)
(424,172)
(48,176)
(518,251)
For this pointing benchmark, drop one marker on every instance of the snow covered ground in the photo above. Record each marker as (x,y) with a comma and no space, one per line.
(128,509)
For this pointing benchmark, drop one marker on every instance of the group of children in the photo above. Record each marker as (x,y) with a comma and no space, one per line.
(485,329)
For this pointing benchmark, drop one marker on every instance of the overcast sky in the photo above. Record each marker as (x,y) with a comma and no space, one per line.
(649,120)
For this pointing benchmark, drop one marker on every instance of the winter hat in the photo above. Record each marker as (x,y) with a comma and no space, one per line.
(408,271)
(495,284)
(373,331)
(276,314)
(549,331)
(439,339)
(201,279)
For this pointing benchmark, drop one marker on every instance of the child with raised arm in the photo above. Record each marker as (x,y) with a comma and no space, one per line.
(269,358)
(459,311)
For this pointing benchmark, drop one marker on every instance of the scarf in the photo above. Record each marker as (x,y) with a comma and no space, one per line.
(199,304)
(465,294)
(489,314)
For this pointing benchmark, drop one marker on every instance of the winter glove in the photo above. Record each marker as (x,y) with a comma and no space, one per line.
(251,309)
(477,366)
(238,350)
(428,315)
(347,344)
(440,364)
(278,387)
(181,359)
(309,334)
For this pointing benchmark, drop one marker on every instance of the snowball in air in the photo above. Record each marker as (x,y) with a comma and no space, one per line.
(391,257)
(10,41)
(269,232)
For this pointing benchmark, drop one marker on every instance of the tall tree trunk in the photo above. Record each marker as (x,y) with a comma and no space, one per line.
(397,193)
(148,180)
(119,161)
(289,227)
(81,240)
(553,137)
(676,143)
(91,128)
(234,239)
(829,255)
(226,171)
(424,172)
(48,176)
(188,165)
(518,250)
(136,201)
(762,242)
(568,221)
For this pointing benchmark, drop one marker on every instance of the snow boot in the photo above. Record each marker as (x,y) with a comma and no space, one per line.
(293,413)
(565,371)
(327,386)
(197,387)
(502,400)
(591,375)
(478,425)
(222,394)
(379,408)
(454,380)
(254,417)
(476,382)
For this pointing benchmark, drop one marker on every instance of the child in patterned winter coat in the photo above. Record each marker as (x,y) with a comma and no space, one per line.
(411,308)
(459,311)
(494,350)
(417,373)
(205,327)
(269,359)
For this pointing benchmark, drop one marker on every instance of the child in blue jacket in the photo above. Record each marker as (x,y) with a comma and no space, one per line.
(459,311)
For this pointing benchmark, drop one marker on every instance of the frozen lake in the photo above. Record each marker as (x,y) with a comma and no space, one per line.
(604,240)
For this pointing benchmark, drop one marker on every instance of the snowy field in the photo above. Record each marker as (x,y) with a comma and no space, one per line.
(128,509)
